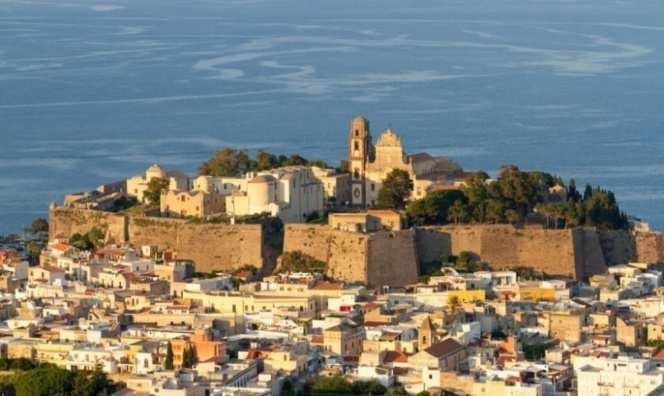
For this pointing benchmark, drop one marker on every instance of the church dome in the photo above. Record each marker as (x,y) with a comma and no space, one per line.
(155,172)
(389,138)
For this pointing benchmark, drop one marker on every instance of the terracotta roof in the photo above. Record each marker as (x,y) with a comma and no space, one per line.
(375,323)
(63,247)
(393,356)
(328,286)
(659,355)
(444,348)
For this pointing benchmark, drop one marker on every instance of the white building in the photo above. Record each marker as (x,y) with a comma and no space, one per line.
(617,376)
(291,193)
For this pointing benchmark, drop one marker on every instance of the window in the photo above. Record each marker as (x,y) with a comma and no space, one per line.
(356,173)
(373,187)
(357,145)
(357,132)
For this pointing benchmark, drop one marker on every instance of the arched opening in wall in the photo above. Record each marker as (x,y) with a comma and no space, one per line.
(356,145)
(357,132)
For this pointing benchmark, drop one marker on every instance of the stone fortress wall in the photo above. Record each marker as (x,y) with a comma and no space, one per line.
(386,257)
(579,252)
(381,258)
(210,246)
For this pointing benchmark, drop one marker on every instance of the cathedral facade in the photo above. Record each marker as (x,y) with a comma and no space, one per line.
(369,164)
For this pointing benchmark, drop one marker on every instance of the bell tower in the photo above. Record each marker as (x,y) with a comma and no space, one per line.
(359,154)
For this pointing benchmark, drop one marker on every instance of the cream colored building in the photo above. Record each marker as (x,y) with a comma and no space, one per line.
(369,164)
(291,193)
(241,304)
(336,186)
(369,221)
(137,185)
(176,203)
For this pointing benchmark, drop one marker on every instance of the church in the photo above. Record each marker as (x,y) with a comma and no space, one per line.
(369,164)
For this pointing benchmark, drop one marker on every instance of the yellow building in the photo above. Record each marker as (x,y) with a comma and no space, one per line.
(565,326)
(176,203)
(53,352)
(369,221)
(465,296)
(343,340)
(534,293)
(284,360)
(336,186)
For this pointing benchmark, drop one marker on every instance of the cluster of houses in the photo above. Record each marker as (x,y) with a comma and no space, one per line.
(149,320)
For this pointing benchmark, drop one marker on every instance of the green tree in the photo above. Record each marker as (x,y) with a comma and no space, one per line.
(266,161)
(397,391)
(298,261)
(331,385)
(94,383)
(372,387)
(572,194)
(38,225)
(288,389)
(396,189)
(44,381)
(33,249)
(96,236)
(295,159)
(226,162)
(433,208)
(189,357)
(168,360)
(154,190)
(495,211)
(513,217)
(81,242)
(458,212)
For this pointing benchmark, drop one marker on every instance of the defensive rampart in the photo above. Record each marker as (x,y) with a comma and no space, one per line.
(382,258)
(578,252)
(210,246)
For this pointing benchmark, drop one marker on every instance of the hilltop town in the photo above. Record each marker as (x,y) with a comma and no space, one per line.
(392,273)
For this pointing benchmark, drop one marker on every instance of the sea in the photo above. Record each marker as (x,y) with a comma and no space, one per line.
(96,91)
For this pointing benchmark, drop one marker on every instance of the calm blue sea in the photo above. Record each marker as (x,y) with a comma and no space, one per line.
(94,91)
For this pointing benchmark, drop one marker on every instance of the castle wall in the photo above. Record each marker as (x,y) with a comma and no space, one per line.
(210,246)
(588,254)
(66,222)
(649,247)
(344,252)
(618,246)
(392,258)
(559,252)
(382,258)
